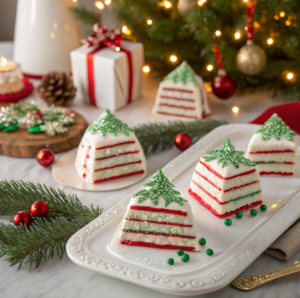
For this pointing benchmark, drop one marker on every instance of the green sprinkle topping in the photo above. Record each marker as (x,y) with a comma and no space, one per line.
(160,186)
(185,258)
(227,154)
(263,207)
(109,123)
(170,261)
(239,215)
(202,241)
(276,127)
(180,252)
(253,212)
(182,74)
(228,222)
(209,252)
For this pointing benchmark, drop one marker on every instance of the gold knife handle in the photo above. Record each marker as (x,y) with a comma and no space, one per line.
(251,282)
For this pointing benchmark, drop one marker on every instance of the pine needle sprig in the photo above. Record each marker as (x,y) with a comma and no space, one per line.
(18,196)
(158,137)
(41,242)
(87,17)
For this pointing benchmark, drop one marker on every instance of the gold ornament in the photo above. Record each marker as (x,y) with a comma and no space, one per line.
(185,6)
(251,59)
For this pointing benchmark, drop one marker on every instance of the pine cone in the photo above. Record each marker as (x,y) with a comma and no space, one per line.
(57,88)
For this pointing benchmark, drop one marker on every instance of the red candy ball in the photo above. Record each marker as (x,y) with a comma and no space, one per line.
(223,86)
(45,157)
(23,218)
(183,141)
(39,209)
(39,113)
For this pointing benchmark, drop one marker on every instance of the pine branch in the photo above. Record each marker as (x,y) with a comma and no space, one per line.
(18,195)
(87,17)
(42,241)
(158,137)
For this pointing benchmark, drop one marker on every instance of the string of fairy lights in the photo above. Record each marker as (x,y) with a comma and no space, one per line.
(237,35)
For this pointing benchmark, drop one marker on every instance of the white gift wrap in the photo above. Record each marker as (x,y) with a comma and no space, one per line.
(111,74)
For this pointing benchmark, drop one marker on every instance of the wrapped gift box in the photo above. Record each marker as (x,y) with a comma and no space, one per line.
(107,78)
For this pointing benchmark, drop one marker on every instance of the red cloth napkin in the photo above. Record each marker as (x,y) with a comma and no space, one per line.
(289,113)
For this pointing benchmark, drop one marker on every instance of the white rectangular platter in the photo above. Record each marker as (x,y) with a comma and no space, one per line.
(235,247)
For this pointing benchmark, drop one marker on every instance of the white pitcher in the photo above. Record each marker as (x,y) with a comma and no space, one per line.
(45,34)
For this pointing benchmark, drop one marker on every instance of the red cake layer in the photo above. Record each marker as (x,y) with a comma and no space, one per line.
(162,210)
(161,222)
(177,98)
(227,178)
(227,190)
(179,90)
(276,173)
(161,234)
(125,153)
(227,214)
(272,151)
(177,107)
(115,145)
(164,246)
(121,165)
(120,176)
(177,115)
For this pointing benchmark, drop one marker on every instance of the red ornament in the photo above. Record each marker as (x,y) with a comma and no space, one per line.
(22,217)
(223,86)
(34,113)
(39,209)
(39,113)
(45,157)
(183,141)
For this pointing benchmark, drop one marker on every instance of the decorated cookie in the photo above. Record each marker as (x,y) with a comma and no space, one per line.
(273,147)
(182,94)
(225,182)
(158,217)
(109,150)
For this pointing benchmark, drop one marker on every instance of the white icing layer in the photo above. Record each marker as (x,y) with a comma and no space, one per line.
(283,168)
(278,157)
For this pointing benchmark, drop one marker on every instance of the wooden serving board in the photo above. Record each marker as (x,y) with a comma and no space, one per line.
(20,143)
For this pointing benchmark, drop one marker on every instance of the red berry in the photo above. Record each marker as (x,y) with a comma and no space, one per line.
(45,157)
(39,113)
(39,209)
(22,217)
(29,115)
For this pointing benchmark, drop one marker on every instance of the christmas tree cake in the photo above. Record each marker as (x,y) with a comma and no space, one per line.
(225,182)
(273,147)
(158,217)
(109,150)
(182,94)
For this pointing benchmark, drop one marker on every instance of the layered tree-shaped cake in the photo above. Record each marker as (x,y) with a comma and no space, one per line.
(158,217)
(182,94)
(273,147)
(109,150)
(225,182)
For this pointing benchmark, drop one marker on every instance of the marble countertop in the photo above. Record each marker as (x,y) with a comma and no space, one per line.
(64,279)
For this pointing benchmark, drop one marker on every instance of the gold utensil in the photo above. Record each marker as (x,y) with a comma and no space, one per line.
(251,282)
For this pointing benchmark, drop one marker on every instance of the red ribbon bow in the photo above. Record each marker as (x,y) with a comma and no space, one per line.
(102,37)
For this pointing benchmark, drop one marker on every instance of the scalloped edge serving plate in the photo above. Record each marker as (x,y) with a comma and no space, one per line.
(91,247)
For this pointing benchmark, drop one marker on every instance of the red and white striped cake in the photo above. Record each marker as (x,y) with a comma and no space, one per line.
(225,182)
(157,217)
(109,150)
(182,94)
(273,147)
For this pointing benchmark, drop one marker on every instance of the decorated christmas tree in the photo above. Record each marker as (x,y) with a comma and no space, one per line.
(173,31)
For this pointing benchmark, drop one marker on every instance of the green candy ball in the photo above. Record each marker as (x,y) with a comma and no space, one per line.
(170,261)
(263,207)
(185,258)
(180,252)
(228,222)
(202,241)
(239,215)
(209,252)
(253,212)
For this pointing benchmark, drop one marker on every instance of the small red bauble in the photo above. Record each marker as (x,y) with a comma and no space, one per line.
(39,113)
(183,141)
(223,86)
(45,157)
(39,209)
(23,218)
